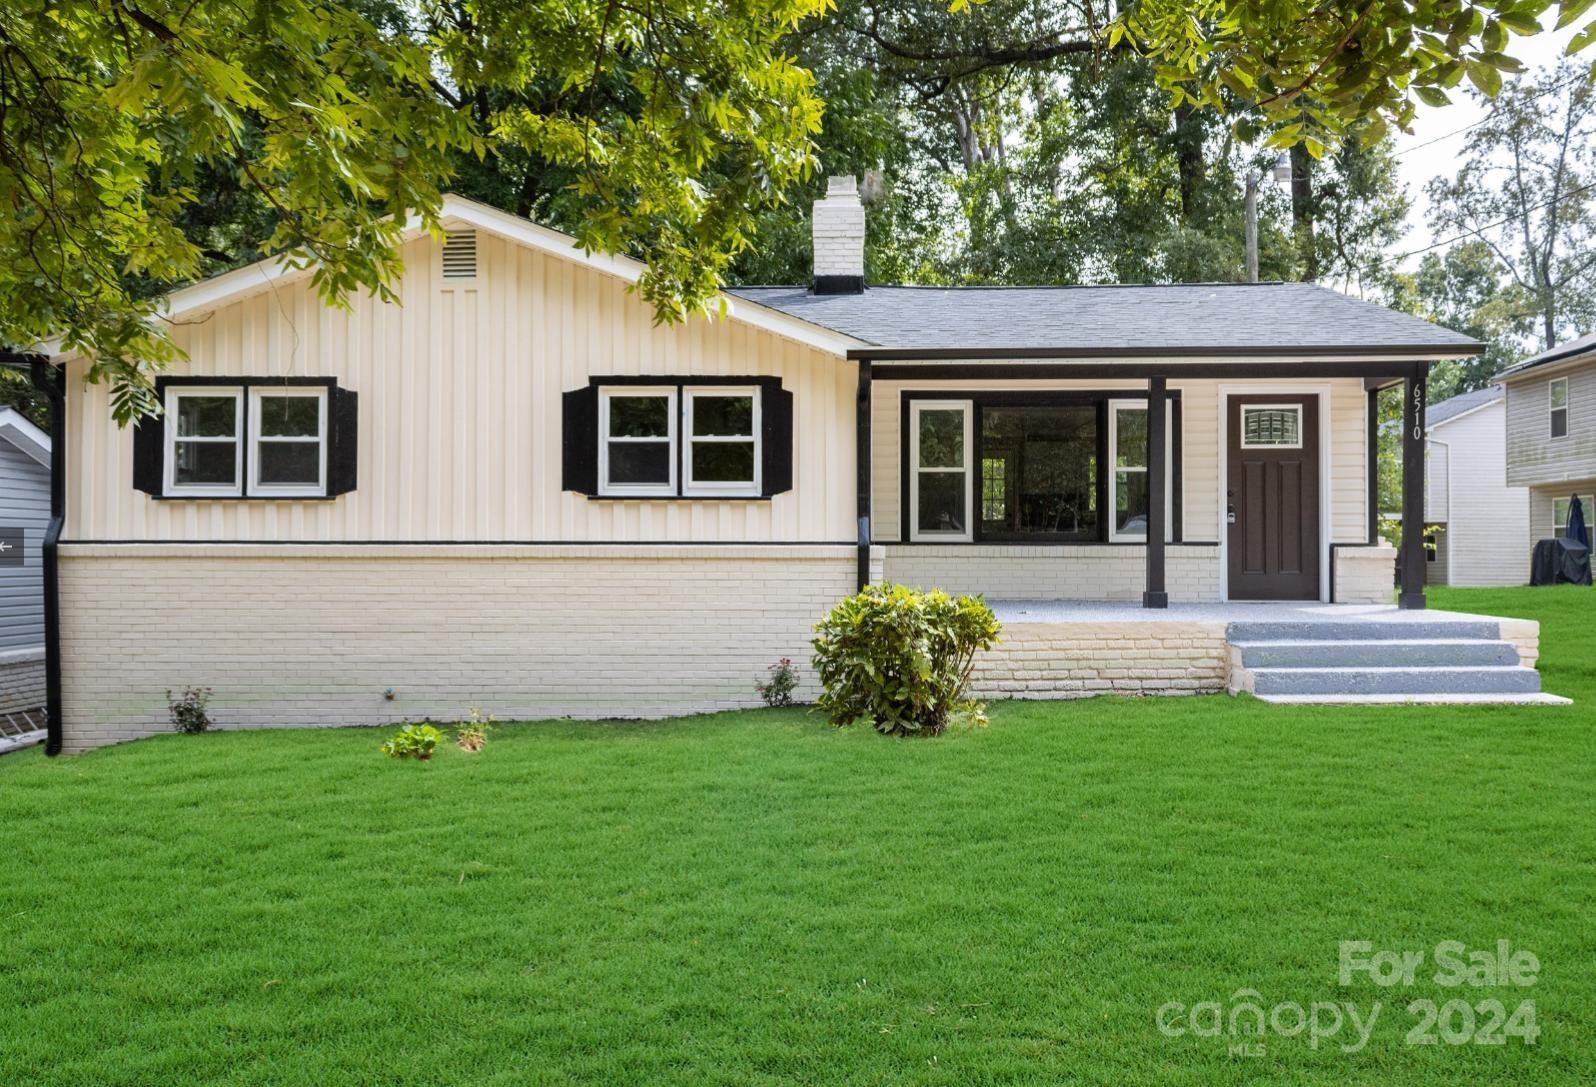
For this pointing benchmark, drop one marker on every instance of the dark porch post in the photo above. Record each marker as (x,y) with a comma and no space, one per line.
(1412,557)
(862,456)
(1157,419)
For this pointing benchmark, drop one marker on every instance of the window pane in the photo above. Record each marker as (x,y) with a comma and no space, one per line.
(639,417)
(1047,487)
(205,462)
(723,462)
(206,416)
(289,462)
(1130,437)
(725,416)
(290,416)
(1270,426)
(1560,393)
(942,502)
(1560,423)
(942,438)
(1130,503)
(640,462)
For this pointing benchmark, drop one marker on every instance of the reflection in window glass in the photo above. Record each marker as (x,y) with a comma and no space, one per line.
(1048,486)
(1265,427)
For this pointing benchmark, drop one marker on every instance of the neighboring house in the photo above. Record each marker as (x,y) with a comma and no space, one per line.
(1551,433)
(1482,521)
(24,510)
(516,489)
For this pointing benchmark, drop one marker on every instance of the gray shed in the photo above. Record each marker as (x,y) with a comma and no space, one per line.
(24,506)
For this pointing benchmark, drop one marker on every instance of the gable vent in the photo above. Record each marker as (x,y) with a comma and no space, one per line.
(460,254)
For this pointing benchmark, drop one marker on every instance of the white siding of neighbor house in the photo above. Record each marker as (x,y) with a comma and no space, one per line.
(1486,520)
(24,504)
(1202,455)
(460,412)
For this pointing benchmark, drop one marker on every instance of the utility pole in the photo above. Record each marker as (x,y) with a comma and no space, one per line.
(1281,171)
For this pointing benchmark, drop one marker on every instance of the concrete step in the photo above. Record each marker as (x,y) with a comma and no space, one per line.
(1405,681)
(1433,652)
(1415,699)
(1352,631)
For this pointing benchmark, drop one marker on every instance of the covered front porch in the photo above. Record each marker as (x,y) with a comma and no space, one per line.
(1197,479)
(1289,652)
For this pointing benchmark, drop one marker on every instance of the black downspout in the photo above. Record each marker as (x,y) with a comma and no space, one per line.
(53,385)
(862,459)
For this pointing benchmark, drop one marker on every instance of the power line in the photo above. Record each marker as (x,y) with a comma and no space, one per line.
(1499,222)
(1487,117)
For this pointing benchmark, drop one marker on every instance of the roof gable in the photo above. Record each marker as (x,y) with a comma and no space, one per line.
(18,431)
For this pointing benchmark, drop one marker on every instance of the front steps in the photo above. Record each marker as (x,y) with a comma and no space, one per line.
(1380,662)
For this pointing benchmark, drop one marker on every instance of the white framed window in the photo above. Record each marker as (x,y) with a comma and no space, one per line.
(1271,426)
(1128,489)
(637,440)
(288,441)
(1557,406)
(1561,508)
(939,486)
(721,424)
(204,441)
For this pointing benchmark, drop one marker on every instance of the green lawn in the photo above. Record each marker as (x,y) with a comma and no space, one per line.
(755,898)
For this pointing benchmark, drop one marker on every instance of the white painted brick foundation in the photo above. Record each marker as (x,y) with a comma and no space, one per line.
(1077,660)
(21,679)
(1073,572)
(1365,575)
(300,635)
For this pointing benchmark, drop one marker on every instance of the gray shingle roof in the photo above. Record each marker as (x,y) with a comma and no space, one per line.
(1452,407)
(1251,317)
(1582,346)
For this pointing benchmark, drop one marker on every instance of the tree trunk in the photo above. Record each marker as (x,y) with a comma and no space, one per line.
(1189,160)
(1302,211)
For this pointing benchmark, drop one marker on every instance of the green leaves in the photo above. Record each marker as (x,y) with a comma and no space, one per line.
(900,658)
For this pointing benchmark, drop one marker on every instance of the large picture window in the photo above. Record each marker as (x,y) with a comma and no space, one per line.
(1029,468)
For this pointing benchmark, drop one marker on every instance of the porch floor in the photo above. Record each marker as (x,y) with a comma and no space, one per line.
(1268,611)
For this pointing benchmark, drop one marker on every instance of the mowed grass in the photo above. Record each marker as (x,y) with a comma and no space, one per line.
(755,898)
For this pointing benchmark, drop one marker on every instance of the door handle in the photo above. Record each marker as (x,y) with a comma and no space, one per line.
(1230,515)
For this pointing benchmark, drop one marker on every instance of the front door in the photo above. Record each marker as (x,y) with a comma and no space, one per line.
(1272,497)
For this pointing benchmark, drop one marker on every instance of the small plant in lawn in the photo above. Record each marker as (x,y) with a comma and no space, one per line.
(413,742)
(901,659)
(472,733)
(778,689)
(189,712)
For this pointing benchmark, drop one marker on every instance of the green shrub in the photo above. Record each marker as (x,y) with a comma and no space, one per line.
(190,712)
(901,659)
(413,742)
(471,735)
(778,689)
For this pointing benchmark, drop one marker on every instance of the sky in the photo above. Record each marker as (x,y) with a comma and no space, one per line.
(1416,164)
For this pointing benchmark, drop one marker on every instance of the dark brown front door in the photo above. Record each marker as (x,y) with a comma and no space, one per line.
(1272,497)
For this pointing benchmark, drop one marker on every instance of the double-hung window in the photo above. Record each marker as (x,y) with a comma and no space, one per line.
(1557,400)
(940,483)
(722,441)
(1561,508)
(248,438)
(205,441)
(1127,444)
(637,444)
(288,441)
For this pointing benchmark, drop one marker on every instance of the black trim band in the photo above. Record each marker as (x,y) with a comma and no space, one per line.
(1307,351)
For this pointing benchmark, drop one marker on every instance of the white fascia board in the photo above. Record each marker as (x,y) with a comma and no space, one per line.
(16,429)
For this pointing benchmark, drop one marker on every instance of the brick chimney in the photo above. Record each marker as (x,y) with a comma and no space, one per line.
(839,232)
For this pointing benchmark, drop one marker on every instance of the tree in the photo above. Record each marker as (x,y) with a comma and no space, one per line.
(1462,288)
(122,124)
(1524,192)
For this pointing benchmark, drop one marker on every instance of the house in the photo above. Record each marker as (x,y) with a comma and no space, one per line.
(515,489)
(24,513)
(1482,521)
(1551,433)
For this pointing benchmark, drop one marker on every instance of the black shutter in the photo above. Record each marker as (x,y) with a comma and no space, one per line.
(149,447)
(776,424)
(579,470)
(343,451)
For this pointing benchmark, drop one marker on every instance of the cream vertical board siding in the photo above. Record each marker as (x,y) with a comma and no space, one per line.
(1487,522)
(1202,454)
(460,412)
